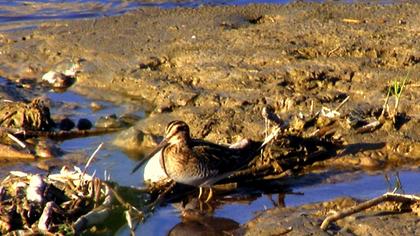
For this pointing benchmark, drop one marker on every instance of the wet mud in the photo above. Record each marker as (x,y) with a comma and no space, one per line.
(217,67)
(306,219)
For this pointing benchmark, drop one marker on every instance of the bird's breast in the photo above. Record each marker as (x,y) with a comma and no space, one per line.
(153,171)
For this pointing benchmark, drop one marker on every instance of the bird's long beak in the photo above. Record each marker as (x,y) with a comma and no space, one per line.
(159,147)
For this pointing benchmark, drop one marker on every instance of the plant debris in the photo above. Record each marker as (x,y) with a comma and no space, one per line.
(68,202)
(34,115)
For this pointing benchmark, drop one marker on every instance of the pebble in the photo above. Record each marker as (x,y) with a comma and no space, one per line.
(58,79)
(110,121)
(95,106)
(129,119)
(66,124)
(84,124)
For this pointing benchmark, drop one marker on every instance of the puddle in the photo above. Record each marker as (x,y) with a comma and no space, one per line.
(110,160)
(362,187)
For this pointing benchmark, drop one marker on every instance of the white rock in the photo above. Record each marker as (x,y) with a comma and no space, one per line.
(35,190)
(51,76)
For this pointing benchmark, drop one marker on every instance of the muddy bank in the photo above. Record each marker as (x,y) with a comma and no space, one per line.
(306,219)
(216,67)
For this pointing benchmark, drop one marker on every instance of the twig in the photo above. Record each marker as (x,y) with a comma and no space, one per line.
(159,199)
(353,21)
(278,176)
(311,109)
(88,163)
(129,209)
(333,50)
(270,137)
(129,221)
(381,117)
(342,103)
(251,170)
(92,156)
(12,137)
(121,200)
(8,116)
(390,196)
(372,126)
(58,135)
(96,215)
(93,217)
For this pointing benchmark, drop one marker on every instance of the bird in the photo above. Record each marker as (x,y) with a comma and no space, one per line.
(196,162)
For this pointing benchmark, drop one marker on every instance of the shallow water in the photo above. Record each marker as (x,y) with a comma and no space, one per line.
(112,160)
(362,187)
(27,14)
(31,10)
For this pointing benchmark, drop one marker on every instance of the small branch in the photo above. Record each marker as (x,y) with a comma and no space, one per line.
(369,127)
(352,21)
(252,170)
(87,164)
(92,156)
(394,197)
(93,217)
(20,143)
(333,50)
(161,196)
(7,117)
(311,109)
(96,215)
(342,103)
(278,176)
(381,117)
(58,135)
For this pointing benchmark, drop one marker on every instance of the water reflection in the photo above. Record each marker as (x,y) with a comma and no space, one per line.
(236,208)
(198,223)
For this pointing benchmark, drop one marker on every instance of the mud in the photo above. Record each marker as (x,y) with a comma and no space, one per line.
(306,219)
(217,67)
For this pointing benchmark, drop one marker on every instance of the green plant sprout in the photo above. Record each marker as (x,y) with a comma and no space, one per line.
(397,90)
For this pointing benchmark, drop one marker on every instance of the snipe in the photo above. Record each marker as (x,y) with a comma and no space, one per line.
(196,162)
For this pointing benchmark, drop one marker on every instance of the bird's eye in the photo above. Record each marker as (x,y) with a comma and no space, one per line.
(181,128)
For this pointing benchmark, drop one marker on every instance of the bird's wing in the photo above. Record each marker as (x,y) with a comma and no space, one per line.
(218,158)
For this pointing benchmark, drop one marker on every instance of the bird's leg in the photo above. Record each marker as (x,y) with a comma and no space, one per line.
(210,196)
(200,192)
